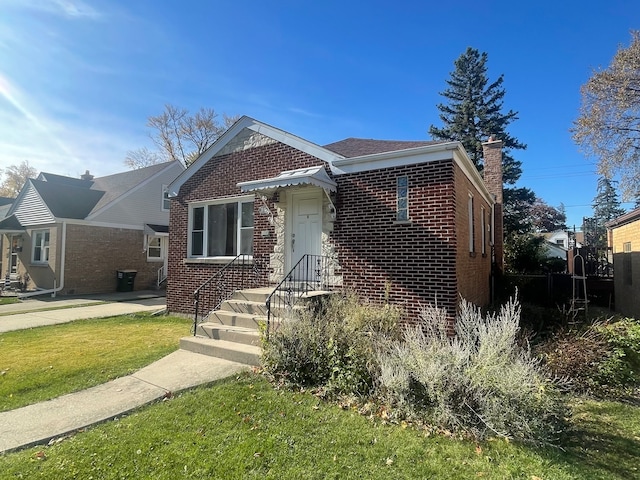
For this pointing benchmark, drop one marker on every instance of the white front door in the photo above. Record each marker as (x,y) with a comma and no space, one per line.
(306,226)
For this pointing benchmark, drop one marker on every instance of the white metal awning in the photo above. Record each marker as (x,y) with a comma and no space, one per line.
(316,176)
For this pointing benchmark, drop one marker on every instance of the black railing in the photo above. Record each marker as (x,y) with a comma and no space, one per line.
(310,274)
(241,272)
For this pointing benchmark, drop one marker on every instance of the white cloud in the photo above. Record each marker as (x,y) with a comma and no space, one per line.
(75,9)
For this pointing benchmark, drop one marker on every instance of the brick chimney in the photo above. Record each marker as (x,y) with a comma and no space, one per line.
(86,176)
(492,153)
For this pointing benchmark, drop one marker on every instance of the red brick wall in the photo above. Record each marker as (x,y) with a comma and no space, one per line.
(219,178)
(473,269)
(94,254)
(414,262)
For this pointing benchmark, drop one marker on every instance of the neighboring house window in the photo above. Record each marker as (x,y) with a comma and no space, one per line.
(471,226)
(627,278)
(166,202)
(154,249)
(483,234)
(402,196)
(560,242)
(40,246)
(221,229)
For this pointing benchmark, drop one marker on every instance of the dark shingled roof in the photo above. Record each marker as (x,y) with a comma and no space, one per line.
(356,147)
(67,201)
(62,180)
(6,201)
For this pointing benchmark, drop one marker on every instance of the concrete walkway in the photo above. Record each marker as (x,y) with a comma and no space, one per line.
(41,422)
(31,315)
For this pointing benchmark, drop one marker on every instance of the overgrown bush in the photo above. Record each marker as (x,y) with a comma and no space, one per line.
(480,381)
(332,346)
(602,359)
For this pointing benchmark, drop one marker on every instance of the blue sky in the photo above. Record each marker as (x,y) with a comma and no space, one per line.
(78,79)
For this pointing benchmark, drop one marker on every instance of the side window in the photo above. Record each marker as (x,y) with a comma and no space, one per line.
(472,239)
(40,250)
(483,233)
(166,202)
(154,249)
(402,198)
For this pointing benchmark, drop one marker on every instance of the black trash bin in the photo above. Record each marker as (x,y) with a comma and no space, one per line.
(125,280)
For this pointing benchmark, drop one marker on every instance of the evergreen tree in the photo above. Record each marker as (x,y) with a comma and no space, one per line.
(606,207)
(474,112)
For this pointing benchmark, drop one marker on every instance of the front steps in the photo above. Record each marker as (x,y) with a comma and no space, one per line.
(231,332)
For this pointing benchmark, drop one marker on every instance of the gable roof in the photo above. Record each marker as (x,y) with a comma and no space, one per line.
(346,156)
(258,127)
(65,200)
(357,147)
(116,185)
(78,199)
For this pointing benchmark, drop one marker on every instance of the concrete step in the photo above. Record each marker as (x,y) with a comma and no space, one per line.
(215,331)
(244,306)
(258,295)
(235,352)
(236,319)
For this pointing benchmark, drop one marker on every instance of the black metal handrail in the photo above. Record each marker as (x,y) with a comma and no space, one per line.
(233,276)
(311,273)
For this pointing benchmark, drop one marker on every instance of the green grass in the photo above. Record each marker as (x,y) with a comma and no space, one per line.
(8,300)
(42,363)
(243,428)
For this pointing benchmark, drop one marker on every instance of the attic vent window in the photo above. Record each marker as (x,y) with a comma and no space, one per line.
(402,198)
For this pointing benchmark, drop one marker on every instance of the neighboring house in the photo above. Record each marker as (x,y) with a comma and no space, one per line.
(72,235)
(5,205)
(412,223)
(624,240)
(564,238)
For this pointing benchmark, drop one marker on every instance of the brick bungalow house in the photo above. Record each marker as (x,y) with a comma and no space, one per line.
(407,222)
(71,235)
(624,240)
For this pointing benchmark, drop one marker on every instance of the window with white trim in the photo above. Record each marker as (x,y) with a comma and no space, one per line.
(154,249)
(472,242)
(221,228)
(166,201)
(40,250)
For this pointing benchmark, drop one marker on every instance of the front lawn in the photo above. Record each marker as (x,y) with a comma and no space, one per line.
(43,363)
(243,428)
(8,300)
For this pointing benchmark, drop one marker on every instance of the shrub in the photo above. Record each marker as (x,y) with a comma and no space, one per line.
(332,346)
(480,381)
(601,360)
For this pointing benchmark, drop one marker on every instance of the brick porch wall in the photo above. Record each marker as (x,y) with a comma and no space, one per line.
(218,179)
(413,262)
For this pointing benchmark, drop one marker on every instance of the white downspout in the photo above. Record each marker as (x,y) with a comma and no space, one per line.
(63,255)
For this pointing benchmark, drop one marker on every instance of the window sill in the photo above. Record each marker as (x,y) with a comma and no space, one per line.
(39,264)
(402,222)
(214,260)
(155,260)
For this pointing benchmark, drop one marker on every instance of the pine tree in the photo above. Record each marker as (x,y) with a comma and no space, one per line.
(606,206)
(474,112)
